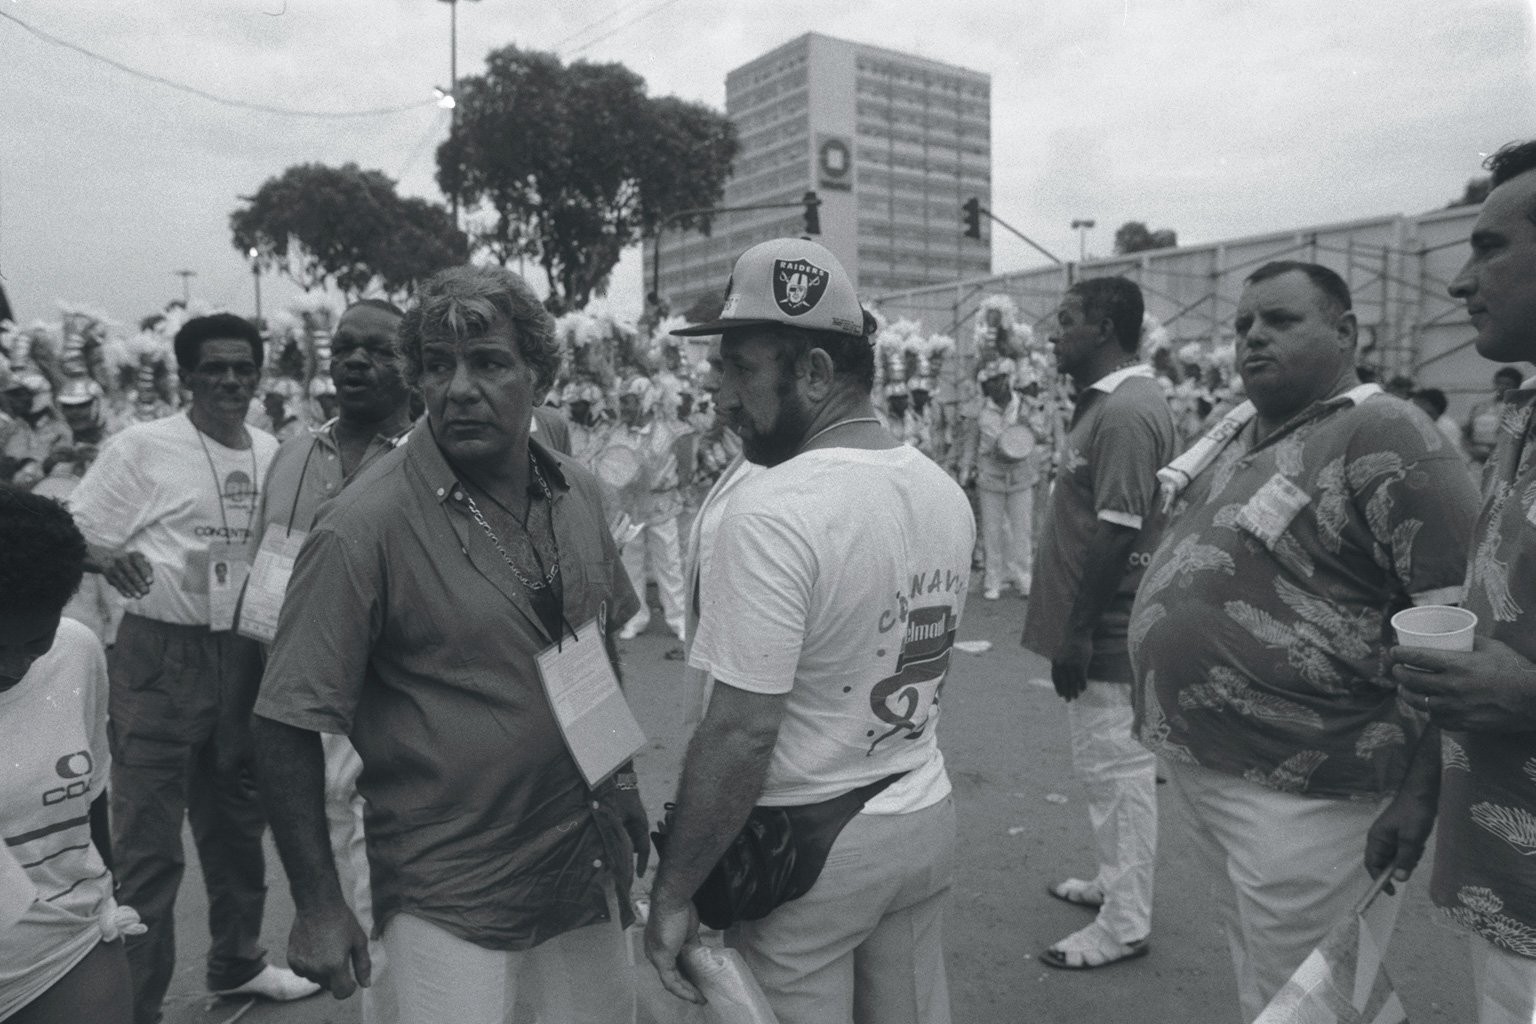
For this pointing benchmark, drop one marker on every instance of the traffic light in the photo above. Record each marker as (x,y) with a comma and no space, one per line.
(972,209)
(812,213)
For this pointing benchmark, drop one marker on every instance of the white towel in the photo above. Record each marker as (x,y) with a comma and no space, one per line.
(1176,476)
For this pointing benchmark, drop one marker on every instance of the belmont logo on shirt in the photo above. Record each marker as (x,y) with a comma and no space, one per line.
(798,285)
(904,701)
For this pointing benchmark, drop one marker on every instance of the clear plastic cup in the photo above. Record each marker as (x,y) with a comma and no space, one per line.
(1439,627)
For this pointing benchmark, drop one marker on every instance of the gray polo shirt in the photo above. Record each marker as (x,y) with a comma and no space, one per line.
(1121,435)
(405,630)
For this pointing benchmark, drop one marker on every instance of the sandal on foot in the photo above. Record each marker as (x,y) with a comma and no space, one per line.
(1078,893)
(1090,948)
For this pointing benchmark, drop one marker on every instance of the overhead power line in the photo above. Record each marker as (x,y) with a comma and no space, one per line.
(589,26)
(227,101)
(622,26)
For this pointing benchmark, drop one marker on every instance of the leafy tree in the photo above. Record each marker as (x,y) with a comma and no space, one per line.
(1473,194)
(1134,236)
(422,242)
(570,164)
(345,226)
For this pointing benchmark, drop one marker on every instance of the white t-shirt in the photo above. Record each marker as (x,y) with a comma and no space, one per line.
(838,578)
(696,559)
(53,732)
(153,490)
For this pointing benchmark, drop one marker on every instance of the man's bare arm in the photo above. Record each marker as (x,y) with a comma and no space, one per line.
(326,945)
(722,778)
(1396,839)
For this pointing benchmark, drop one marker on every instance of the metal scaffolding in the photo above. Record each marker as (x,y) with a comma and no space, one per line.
(1398,269)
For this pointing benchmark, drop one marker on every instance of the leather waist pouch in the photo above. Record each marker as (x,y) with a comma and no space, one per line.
(776,857)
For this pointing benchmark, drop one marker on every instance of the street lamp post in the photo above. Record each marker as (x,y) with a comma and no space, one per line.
(453,89)
(1082,228)
(256,276)
(186,285)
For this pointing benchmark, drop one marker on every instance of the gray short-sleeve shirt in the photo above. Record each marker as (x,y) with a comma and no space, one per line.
(1121,435)
(405,630)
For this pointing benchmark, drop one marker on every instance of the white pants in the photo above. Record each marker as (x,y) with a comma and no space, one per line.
(1007,536)
(585,976)
(344,820)
(1283,870)
(656,550)
(1503,984)
(1120,776)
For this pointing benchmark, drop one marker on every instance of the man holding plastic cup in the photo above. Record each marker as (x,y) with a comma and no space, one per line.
(1484,698)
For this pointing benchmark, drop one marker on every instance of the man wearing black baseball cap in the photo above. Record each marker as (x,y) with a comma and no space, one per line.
(828,611)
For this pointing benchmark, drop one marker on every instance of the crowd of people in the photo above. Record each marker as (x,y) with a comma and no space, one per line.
(370,604)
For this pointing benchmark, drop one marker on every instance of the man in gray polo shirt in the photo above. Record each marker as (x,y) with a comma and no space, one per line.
(1093,551)
(417,609)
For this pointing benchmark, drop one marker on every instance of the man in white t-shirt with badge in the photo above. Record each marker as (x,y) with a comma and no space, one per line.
(168,508)
(836,584)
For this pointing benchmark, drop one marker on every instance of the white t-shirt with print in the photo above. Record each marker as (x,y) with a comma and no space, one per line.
(153,490)
(838,578)
(53,734)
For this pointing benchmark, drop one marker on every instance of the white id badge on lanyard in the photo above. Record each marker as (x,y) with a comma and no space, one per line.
(1269,512)
(227,569)
(583,690)
(268,582)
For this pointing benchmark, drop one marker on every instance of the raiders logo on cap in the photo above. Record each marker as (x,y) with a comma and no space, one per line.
(797,286)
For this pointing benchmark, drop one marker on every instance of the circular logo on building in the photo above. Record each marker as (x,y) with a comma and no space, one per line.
(835,158)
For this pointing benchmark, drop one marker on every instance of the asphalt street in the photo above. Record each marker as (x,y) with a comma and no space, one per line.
(1022,824)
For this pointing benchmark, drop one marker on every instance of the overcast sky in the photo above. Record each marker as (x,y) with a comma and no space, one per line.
(1217,118)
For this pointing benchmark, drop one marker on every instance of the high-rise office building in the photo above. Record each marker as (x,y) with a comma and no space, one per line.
(892,144)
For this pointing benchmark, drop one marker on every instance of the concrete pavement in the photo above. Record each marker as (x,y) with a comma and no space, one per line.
(1005,741)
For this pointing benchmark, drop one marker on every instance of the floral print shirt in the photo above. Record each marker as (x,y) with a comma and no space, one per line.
(1485,875)
(1259,630)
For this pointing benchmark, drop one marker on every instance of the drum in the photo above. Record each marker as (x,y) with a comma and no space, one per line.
(1016,443)
(617,466)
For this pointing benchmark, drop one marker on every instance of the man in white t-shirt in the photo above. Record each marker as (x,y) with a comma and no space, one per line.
(836,583)
(167,509)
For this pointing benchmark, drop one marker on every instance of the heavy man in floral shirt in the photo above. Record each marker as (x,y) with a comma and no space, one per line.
(1306,517)
(1485,700)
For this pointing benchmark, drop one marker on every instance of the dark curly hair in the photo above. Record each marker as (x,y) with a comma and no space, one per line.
(1512,160)
(42,554)
(466,302)
(220,326)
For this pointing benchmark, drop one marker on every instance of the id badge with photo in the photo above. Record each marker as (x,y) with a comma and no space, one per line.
(594,717)
(268,582)
(227,570)
(1270,511)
